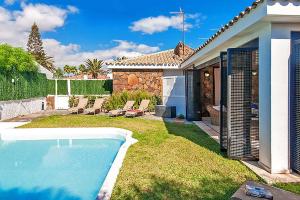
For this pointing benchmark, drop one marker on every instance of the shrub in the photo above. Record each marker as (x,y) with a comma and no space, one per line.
(118,100)
(74,100)
(12,58)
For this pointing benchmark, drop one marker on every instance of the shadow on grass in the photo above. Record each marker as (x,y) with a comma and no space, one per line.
(220,188)
(194,134)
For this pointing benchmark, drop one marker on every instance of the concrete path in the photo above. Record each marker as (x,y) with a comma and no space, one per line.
(30,117)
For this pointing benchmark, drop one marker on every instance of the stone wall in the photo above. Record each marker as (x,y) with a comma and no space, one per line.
(134,79)
(207,89)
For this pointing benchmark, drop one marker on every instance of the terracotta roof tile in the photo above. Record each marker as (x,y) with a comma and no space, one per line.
(170,57)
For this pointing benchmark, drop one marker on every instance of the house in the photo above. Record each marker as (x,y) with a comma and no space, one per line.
(157,73)
(49,74)
(249,71)
(89,77)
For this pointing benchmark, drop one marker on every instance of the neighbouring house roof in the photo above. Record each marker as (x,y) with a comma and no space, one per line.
(227,26)
(164,59)
(82,77)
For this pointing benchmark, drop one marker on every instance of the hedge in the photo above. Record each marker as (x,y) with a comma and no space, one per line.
(16,86)
(91,87)
(62,87)
(28,85)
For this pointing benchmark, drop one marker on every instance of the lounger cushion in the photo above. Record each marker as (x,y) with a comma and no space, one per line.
(134,113)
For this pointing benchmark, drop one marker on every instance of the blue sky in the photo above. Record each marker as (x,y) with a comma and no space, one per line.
(74,30)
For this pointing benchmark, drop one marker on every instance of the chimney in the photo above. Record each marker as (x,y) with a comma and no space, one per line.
(180,49)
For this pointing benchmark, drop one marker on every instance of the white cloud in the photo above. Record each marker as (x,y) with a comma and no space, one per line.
(15,27)
(47,17)
(162,23)
(72,9)
(70,54)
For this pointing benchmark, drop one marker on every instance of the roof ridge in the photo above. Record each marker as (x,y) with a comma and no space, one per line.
(143,55)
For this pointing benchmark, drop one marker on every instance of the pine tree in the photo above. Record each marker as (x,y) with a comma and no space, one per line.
(35,48)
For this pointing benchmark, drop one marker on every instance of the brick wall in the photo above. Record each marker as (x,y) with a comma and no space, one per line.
(134,79)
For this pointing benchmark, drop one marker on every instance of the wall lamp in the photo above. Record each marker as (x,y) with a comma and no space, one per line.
(206,74)
(254,73)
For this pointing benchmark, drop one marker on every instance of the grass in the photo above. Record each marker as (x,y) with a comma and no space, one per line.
(292,187)
(170,161)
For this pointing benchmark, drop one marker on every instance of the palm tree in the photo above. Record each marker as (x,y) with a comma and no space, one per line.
(58,73)
(49,63)
(67,69)
(82,69)
(94,67)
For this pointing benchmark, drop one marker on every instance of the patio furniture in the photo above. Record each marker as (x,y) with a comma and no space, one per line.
(139,112)
(120,112)
(97,107)
(277,193)
(165,111)
(80,107)
(214,113)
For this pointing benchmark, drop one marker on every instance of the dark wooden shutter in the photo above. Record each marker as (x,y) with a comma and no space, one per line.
(193,95)
(223,102)
(295,102)
(239,63)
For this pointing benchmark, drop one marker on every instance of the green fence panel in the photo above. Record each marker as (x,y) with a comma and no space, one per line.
(91,87)
(62,87)
(16,86)
(51,87)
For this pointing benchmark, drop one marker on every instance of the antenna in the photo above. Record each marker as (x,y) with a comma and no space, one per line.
(182,14)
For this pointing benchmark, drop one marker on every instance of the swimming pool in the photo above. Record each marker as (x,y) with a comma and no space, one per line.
(61,164)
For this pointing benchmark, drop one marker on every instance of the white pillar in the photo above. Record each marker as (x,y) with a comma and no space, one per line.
(265,97)
(69,87)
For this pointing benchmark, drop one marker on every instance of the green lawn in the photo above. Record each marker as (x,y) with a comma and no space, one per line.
(170,161)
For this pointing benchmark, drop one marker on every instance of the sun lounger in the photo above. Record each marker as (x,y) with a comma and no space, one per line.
(120,112)
(139,112)
(97,107)
(80,107)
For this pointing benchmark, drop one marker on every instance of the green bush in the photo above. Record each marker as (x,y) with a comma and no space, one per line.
(91,87)
(118,100)
(16,60)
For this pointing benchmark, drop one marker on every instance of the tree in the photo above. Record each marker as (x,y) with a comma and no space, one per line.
(94,67)
(73,70)
(36,49)
(59,73)
(67,69)
(82,69)
(12,58)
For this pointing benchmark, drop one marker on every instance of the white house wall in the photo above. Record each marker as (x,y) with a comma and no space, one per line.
(174,90)
(280,59)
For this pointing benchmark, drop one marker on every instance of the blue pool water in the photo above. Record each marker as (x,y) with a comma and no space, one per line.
(55,169)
